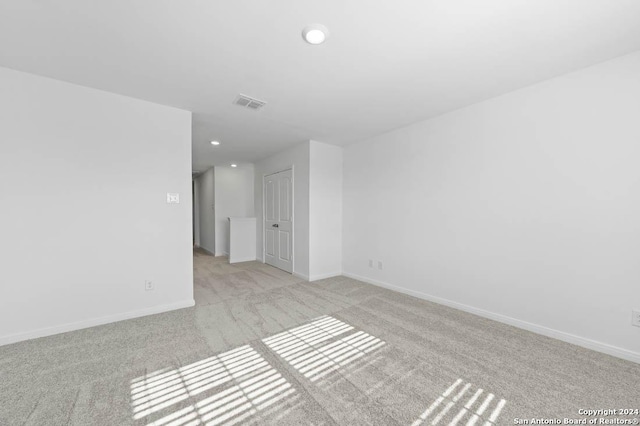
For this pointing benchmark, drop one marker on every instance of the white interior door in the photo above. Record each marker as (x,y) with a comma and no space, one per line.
(278,220)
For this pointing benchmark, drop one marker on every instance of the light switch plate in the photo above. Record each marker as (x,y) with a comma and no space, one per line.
(173,198)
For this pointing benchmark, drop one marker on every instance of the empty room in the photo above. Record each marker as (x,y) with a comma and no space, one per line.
(339,212)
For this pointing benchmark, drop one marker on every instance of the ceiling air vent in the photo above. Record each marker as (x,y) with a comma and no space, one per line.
(248,102)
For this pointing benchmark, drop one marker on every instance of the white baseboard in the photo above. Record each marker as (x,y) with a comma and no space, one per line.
(323,276)
(299,275)
(316,277)
(539,329)
(243,259)
(221,254)
(63,328)
(207,250)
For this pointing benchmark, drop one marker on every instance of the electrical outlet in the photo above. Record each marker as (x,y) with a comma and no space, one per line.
(148,285)
(370,263)
(173,198)
(380,264)
(635,320)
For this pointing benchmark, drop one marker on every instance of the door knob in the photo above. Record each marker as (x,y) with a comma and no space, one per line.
(275,225)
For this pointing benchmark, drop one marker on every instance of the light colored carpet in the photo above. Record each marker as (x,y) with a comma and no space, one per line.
(262,347)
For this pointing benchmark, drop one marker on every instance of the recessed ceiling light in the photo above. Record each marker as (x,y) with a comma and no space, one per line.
(215,143)
(234,165)
(315,34)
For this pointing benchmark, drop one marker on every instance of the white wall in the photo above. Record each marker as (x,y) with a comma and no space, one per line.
(206,196)
(525,208)
(325,210)
(84,176)
(233,198)
(298,158)
(196,212)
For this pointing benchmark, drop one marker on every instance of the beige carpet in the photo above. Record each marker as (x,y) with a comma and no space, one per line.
(262,347)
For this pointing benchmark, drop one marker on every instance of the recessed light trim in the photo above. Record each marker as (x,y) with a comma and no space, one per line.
(215,143)
(315,34)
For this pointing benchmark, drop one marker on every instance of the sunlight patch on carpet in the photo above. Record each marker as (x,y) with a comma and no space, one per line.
(462,404)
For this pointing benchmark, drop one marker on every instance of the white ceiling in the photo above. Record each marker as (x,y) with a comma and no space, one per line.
(386,63)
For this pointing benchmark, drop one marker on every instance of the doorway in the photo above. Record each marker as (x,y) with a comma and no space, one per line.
(278,220)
